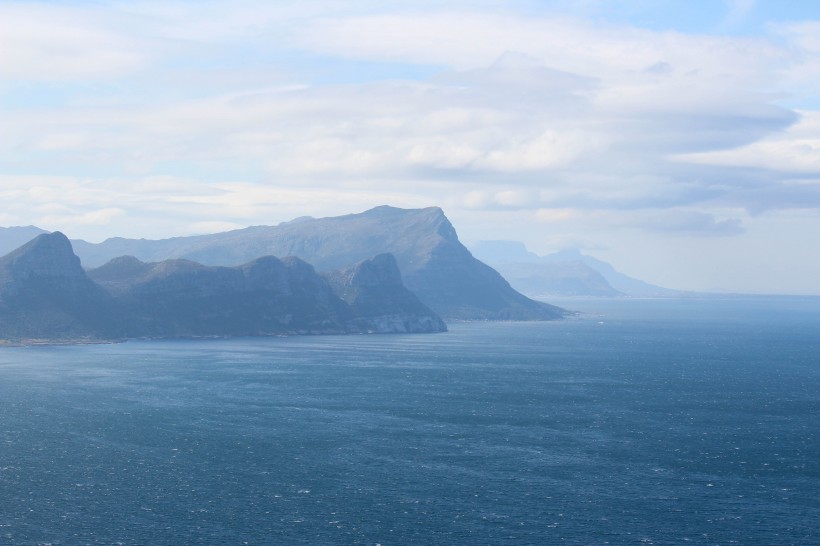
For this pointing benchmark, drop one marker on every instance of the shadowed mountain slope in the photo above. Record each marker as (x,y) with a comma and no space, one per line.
(265,296)
(45,295)
(373,287)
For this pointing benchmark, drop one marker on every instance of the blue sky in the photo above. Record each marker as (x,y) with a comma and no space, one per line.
(679,141)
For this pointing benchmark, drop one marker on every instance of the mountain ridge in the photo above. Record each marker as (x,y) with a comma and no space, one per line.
(433,263)
(45,294)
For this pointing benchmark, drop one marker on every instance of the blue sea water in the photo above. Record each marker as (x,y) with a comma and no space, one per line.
(637,422)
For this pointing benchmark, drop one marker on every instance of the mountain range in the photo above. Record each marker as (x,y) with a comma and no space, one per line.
(45,294)
(433,263)
(382,270)
(564,273)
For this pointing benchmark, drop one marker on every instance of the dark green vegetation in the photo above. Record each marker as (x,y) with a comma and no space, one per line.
(46,295)
(433,263)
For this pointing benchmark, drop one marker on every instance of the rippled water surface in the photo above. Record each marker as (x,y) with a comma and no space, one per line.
(637,422)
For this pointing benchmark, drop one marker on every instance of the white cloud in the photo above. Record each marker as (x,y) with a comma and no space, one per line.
(70,218)
(47,42)
(467,40)
(554,215)
(165,205)
(686,222)
(177,117)
(796,150)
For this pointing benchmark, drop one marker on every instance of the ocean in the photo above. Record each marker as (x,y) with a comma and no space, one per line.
(636,422)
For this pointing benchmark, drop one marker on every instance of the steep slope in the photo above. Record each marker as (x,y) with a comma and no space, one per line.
(46,294)
(433,263)
(374,290)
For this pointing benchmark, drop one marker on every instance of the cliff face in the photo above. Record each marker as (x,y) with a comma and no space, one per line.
(432,261)
(374,291)
(46,295)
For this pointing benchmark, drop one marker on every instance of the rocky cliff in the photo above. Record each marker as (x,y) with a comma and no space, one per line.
(375,292)
(46,294)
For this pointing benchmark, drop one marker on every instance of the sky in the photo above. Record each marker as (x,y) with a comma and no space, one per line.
(679,141)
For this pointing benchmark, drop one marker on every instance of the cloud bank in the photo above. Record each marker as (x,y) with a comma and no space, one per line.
(163,118)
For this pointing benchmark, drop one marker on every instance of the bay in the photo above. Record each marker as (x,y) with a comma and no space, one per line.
(638,421)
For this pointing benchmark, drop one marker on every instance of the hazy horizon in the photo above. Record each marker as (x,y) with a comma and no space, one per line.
(678,142)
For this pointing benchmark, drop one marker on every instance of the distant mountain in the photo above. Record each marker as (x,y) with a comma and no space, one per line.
(556,279)
(619,281)
(46,295)
(433,263)
(565,273)
(12,238)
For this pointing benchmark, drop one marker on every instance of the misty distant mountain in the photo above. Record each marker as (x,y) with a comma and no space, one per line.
(45,294)
(12,238)
(565,273)
(433,263)
(619,281)
(556,279)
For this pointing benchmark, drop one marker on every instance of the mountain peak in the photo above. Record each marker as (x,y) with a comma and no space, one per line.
(46,294)
(370,284)
(47,255)
(379,270)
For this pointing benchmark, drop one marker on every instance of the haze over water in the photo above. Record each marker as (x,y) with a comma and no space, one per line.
(637,422)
